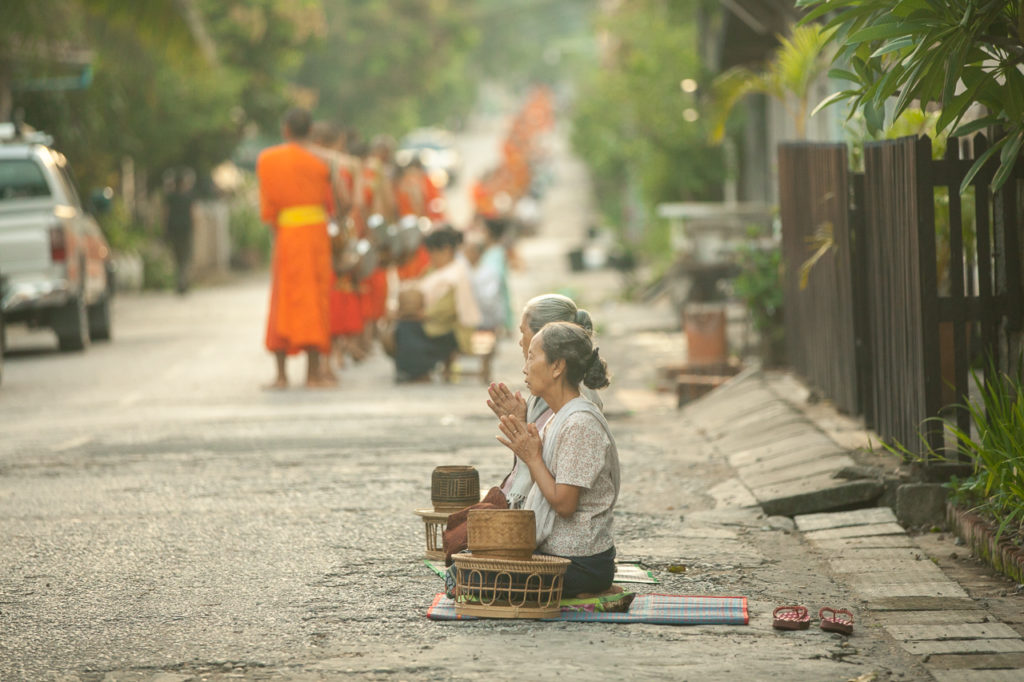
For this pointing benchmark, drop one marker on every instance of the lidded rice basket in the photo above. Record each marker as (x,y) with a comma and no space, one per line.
(454,487)
(502,533)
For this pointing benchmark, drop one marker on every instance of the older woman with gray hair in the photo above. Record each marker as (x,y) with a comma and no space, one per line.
(515,487)
(572,459)
(539,311)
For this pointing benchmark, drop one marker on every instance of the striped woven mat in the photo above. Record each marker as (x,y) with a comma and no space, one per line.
(660,609)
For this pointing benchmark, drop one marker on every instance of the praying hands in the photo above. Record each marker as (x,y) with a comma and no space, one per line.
(522,439)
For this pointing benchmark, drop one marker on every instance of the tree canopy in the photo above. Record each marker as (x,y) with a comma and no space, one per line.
(953,53)
(635,125)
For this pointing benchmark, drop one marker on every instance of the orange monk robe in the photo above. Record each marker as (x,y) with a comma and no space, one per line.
(483,200)
(290,177)
(417,264)
(373,295)
(434,203)
(410,197)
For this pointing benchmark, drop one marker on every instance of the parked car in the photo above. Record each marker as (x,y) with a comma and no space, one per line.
(55,260)
(435,148)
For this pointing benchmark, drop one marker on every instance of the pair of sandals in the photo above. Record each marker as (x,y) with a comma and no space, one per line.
(797,618)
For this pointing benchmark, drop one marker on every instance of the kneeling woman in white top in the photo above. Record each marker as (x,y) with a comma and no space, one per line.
(573,460)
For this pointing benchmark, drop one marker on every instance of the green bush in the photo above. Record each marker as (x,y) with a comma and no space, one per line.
(759,286)
(122,233)
(158,265)
(250,237)
(995,449)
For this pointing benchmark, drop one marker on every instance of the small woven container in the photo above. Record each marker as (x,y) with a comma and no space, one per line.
(434,524)
(502,533)
(454,487)
(501,588)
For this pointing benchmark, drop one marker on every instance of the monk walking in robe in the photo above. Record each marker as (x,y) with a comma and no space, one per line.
(296,202)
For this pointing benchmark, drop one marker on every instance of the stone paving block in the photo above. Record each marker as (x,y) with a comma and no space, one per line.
(873,590)
(756,460)
(747,423)
(816,494)
(736,438)
(854,531)
(919,569)
(800,440)
(965,646)
(872,553)
(709,533)
(978,675)
(922,603)
(916,618)
(879,542)
(954,666)
(908,633)
(732,493)
(811,462)
(793,473)
(719,409)
(859,517)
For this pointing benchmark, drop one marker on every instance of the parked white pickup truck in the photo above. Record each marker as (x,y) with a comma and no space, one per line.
(54,260)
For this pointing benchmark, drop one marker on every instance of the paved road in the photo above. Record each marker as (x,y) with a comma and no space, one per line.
(162,518)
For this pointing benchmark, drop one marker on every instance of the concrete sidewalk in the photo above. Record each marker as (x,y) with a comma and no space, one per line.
(787,456)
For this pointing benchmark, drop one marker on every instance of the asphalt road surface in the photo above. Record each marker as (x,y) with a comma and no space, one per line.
(162,518)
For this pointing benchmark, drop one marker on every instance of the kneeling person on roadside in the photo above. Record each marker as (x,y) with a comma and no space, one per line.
(572,459)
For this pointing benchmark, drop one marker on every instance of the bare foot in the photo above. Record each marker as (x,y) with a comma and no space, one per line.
(278,384)
(320,382)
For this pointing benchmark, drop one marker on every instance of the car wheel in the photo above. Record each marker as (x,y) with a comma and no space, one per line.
(71,323)
(99,319)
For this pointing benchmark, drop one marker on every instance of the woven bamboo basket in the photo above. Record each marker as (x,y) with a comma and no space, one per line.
(502,588)
(454,487)
(502,533)
(434,524)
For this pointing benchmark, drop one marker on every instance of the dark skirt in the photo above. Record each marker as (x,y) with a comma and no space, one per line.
(416,354)
(589,573)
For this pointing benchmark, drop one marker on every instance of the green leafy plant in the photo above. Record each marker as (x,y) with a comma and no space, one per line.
(956,54)
(994,447)
(121,231)
(759,286)
(250,237)
(789,78)
(996,452)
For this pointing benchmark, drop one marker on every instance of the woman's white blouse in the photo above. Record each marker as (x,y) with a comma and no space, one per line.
(584,459)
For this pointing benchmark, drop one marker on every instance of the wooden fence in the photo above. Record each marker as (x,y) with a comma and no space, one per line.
(814,206)
(933,275)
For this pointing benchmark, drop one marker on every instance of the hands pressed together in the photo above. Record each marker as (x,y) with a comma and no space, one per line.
(521,438)
(504,402)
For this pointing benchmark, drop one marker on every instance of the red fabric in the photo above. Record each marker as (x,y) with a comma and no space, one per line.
(455,537)
(373,295)
(346,315)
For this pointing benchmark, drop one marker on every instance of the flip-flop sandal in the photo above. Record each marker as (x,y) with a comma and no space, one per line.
(840,621)
(791,618)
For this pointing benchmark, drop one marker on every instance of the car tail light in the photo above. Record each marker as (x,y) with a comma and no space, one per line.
(58,244)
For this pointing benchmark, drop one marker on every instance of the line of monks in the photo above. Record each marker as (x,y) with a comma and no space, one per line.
(321,197)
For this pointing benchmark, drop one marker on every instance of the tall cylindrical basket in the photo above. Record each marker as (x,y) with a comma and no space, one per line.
(454,487)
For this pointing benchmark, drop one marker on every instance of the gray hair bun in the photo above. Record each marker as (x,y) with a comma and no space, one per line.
(572,343)
(583,320)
